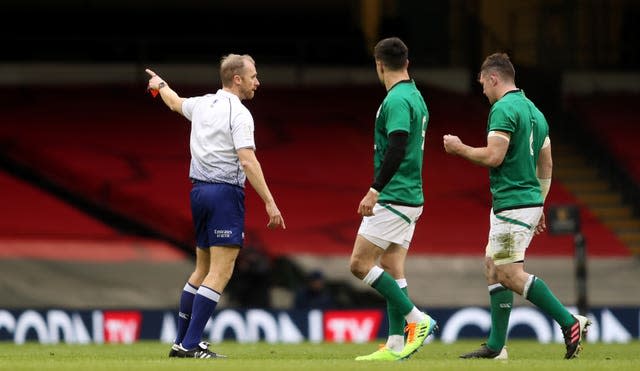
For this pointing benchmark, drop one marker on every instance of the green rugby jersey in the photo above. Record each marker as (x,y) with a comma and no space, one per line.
(402,109)
(514,183)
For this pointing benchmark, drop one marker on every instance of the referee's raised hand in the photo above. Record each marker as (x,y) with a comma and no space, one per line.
(154,80)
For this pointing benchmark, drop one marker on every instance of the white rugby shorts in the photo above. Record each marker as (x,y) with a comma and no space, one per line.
(390,224)
(511,233)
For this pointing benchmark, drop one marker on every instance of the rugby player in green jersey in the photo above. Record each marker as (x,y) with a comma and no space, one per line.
(393,204)
(518,155)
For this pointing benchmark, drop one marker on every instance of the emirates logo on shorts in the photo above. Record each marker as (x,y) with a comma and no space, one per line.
(223,233)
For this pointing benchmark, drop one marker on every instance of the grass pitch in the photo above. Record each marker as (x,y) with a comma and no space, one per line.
(524,355)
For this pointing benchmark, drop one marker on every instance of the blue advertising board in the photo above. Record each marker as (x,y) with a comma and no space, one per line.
(610,325)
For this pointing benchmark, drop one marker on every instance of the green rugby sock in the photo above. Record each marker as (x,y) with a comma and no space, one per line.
(501,303)
(396,318)
(540,295)
(388,287)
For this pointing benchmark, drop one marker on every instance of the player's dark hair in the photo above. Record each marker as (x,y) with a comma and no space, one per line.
(500,63)
(392,53)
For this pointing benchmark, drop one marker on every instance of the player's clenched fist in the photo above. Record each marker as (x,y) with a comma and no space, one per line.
(451,143)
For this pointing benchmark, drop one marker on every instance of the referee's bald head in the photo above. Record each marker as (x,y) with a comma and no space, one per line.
(231,65)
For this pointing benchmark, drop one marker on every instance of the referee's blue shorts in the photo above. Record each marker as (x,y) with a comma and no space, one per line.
(218,214)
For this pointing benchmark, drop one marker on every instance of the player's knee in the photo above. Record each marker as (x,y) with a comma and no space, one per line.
(357,267)
(490,271)
(506,278)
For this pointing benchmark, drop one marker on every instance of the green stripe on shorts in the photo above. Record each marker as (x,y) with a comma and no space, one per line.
(397,212)
(513,221)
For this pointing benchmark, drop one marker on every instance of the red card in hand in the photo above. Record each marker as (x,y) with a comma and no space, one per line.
(153,92)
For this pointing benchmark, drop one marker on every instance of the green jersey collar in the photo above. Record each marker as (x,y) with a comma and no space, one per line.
(401,82)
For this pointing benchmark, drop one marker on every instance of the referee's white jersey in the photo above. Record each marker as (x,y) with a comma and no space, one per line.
(220,125)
